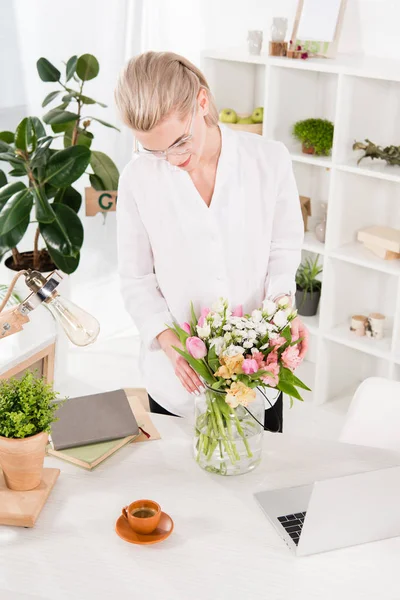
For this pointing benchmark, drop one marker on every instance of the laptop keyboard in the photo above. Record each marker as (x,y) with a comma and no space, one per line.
(293,525)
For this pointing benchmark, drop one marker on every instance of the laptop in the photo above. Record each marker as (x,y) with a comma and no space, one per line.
(336,513)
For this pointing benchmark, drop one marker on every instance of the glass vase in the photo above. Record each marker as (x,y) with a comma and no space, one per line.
(227,441)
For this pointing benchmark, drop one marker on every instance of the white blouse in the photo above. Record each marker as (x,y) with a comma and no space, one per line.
(173,249)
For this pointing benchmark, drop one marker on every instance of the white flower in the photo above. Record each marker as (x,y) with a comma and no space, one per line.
(203,332)
(227,327)
(219,343)
(273,335)
(284,302)
(239,323)
(261,329)
(251,334)
(292,315)
(256,316)
(248,344)
(281,318)
(217,320)
(269,307)
(220,305)
(250,325)
(237,333)
(228,337)
(233,350)
(265,346)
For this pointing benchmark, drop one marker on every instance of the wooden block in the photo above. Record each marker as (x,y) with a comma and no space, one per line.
(381,252)
(22,509)
(278,48)
(99,201)
(385,237)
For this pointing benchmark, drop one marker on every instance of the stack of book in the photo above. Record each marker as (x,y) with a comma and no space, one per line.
(92,428)
(382,241)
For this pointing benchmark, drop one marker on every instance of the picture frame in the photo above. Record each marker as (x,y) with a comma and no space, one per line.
(317,27)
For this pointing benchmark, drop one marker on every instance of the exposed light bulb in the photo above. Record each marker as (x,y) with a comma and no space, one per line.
(81,327)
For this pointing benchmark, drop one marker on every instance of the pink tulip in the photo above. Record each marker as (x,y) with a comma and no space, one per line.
(249,366)
(238,311)
(200,322)
(196,347)
(186,327)
(204,313)
(272,379)
(291,358)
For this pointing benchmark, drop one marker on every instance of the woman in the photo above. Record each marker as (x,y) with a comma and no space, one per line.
(203,213)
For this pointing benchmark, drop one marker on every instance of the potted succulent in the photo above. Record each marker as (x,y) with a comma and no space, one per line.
(316,136)
(45,176)
(27,410)
(308,287)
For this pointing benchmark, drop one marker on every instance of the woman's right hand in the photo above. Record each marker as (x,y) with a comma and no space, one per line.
(187,376)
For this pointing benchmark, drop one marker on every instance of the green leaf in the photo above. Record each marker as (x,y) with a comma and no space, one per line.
(25,136)
(65,233)
(66,264)
(213,360)
(10,158)
(60,127)
(7,136)
(84,137)
(38,127)
(17,209)
(289,389)
(4,147)
(286,333)
(297,382)
(3,180)
(197,365)
(193,317)
(86,99)
(9,190)
(44,211)
(70,197)
(66,166)
(13,237)
(96,183)
(47,71)
(103,123)
(87,67)
(71,67)
(57,116)
(17,171)
(104,168)
(50,97)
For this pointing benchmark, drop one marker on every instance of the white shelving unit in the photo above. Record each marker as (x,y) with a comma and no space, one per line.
(361,96)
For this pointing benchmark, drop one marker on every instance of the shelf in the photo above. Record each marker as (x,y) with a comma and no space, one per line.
(312,323)
(318,161)
(342,335)
(370,168)
(311,244)
(356,254)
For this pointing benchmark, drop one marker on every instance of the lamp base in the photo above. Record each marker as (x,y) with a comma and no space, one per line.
(11,321)
(21,509)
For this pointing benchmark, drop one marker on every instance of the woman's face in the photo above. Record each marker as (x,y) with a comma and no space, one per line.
(167,135)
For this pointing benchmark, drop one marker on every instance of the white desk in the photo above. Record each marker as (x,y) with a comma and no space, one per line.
(222,547)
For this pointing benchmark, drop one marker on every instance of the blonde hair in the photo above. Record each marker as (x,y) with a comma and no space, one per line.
(154,84)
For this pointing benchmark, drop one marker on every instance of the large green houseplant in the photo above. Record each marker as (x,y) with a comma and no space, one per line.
(45,175)
(27,410)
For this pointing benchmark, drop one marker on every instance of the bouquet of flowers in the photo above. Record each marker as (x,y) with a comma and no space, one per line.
(233,354)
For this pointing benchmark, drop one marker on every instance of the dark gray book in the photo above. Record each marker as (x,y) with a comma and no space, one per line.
(93,419)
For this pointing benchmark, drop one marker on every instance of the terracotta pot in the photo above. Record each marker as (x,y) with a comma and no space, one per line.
(22,461)
(307,150)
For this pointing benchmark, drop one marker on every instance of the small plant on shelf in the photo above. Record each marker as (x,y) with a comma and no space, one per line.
(391,154)
(308,287)
(316,136)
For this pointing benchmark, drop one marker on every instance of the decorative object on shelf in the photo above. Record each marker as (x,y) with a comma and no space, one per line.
(254,42)
(391,154)
(50,173)
(279,29)
(320,229)
(28,408)
(305,203)
(294,51)
(317,26)
(382,241)
(375,326)
(233,354)
(308,287)
(251,123)
(80,327)
(316,136)
(278,48)
(358,324)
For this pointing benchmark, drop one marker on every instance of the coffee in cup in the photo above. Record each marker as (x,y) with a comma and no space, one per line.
(143,516)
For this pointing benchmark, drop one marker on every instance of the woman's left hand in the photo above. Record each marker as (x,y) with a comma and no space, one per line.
(299,330)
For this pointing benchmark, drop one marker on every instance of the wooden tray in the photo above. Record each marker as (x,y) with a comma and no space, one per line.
(23,508)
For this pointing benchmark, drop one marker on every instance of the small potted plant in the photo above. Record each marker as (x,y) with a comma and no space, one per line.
(27,410)
(308,287)
(316,136)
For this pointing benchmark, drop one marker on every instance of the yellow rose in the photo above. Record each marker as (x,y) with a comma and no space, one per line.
(230,365)
(239,393)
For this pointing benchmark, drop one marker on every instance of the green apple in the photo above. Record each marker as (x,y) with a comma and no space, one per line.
(258,115)
(245,120)
(228,115)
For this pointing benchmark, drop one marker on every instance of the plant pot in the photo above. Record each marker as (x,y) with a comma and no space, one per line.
(307,149)
(22,461)
(307,302)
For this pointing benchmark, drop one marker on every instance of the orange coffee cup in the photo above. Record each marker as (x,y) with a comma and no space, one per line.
(143,516)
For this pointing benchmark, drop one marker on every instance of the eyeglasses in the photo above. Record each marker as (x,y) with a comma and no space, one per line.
(183,146)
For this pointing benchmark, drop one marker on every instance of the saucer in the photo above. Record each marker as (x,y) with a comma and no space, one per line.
(164,530)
